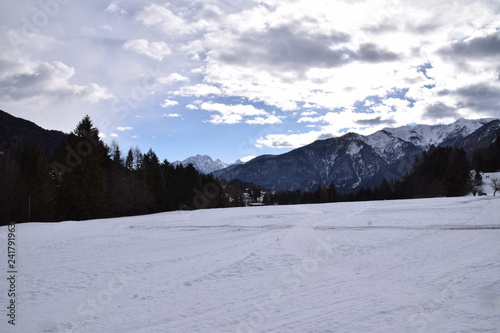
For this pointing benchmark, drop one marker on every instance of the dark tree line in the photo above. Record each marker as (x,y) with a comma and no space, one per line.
(441,171)
(487,159)
(87,179)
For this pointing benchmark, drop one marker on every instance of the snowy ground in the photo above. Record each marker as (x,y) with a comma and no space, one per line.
(429,265)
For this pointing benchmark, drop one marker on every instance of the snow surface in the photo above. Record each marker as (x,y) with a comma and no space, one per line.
(429,265)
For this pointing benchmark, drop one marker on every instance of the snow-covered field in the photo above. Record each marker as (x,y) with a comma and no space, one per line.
(430,265)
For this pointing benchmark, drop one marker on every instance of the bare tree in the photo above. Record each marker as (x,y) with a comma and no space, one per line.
(495,185)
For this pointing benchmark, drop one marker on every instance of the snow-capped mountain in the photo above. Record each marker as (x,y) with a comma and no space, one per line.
(349,160)
(205,164)
(423,136)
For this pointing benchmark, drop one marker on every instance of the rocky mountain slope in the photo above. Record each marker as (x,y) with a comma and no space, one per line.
(205,164)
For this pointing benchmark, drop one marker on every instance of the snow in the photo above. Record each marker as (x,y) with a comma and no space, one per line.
(203,163)
(424,136)
(487,184)
(427,265)
(354,148)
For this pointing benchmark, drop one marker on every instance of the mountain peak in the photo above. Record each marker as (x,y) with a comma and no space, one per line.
(203,163)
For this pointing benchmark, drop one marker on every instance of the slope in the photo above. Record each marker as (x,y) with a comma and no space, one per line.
(15,132)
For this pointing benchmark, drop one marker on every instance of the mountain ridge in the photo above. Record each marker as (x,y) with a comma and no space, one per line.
(350,160)
(205,164)
(15,131)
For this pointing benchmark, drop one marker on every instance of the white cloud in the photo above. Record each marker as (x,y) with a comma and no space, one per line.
(233,114)
(288,140)
(164,19)
(243,110)
(198,90)
(272,119)
(229,118)
(122,129)
(154,50)
(116,9)
(247,158)
(170,115)
(26,82)
(173,78)
(167,103)
(309,113)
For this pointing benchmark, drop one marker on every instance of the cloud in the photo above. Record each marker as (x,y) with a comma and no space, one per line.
(122,129)
(481,97)
(154,50)
(272,119)
(287,48)
(116,9)
(170,115)
(234,114)
(192,107)
(167,103)
(311,119)
(374,121)
(164,19)
(200,89)
(309,67)
(372,53)
(287,140)
(440,110)
(244,110)
(173,78)
(24,81)
(309,113)
(475,47)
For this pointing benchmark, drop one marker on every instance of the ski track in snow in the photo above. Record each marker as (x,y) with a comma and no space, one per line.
(429,265)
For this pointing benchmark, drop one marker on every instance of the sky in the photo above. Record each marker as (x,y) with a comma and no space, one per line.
(238,78)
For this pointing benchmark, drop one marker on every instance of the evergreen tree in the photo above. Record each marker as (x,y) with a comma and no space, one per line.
(12,202)
(477,183)
(36,185)
(81,192)
(155,180)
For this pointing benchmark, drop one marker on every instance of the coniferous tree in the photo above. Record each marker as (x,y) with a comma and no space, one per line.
(11,198)
(81,192)
(155,180)
(36,184)
(477,183)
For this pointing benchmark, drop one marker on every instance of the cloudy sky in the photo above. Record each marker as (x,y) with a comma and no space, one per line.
(233,78)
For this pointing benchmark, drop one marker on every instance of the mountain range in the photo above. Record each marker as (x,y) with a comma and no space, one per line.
(205,164)
(353,160)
